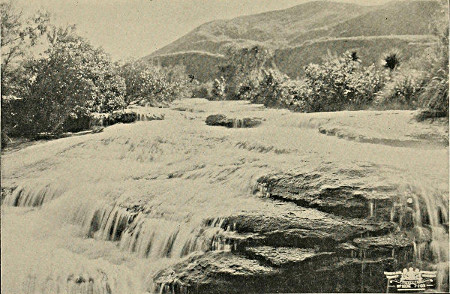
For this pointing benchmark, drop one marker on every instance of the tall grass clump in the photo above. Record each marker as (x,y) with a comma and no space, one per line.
(435,96)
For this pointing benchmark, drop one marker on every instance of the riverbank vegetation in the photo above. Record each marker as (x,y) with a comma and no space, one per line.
(341,82)
(54,81)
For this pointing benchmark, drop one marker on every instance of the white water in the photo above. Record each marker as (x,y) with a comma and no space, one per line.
(430,213)
(84,240)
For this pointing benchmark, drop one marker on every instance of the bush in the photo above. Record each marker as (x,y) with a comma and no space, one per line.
(435,94)
(342,83)
(202,90)
(271,90)
(218,89)
(402,90)
(77,123)
(12,115)
(296,96)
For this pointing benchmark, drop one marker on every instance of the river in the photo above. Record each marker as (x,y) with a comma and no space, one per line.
(177,206)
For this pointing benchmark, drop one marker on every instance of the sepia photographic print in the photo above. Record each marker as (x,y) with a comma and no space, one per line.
(224,146)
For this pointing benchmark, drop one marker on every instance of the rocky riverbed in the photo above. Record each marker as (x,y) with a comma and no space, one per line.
(320,202)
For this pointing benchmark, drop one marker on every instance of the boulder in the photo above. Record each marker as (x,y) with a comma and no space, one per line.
(285,256)
(222,120)
(353,191)
(213,272)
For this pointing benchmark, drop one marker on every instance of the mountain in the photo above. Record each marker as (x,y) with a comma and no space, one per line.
(305,33)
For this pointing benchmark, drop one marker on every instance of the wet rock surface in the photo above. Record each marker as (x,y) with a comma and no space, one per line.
(298,251)
(285,256)
(224,121)
(357,191)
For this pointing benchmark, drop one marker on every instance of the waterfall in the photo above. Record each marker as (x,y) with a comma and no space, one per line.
(423,212)
(99,232)
(34,193)
(130,230)
(150,237)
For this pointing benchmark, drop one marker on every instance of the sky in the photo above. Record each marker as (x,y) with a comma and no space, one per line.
(135,28)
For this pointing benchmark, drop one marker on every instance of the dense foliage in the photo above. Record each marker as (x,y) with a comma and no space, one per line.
(435,95)
(240,73)
(70,82)
(154,85)
(342,82)
(338,83)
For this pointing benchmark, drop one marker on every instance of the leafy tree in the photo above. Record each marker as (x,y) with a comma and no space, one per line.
(73,80)
(150,84)
(242,68)
(18,35)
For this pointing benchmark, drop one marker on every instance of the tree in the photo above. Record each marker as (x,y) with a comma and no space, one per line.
(18,35)
(152,84)
(73,80)
(391,60)
(243,69)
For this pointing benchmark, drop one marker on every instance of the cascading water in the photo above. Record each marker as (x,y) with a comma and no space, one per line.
(423,212)
(130,230)
(34,194)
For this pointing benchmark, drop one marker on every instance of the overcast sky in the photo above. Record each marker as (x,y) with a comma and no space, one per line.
(135,28)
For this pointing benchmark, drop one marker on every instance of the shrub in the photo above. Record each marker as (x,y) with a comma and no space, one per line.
(341,83)
(296,96)
(402,90)
(271,90)
(218,89)
(435,95)
(250,87)
(201,91)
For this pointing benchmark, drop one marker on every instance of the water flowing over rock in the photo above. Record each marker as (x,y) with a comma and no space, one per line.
(222,120)
(277,208)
